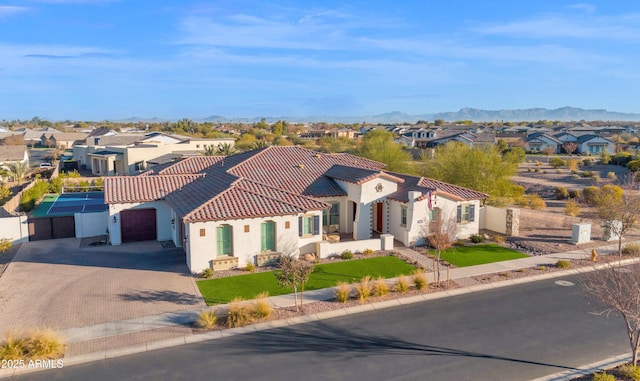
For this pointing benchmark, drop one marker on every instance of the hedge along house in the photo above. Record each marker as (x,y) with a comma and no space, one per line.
(249,207)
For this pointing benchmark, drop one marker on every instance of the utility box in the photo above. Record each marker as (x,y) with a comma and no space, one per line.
(611,231)
(580,233)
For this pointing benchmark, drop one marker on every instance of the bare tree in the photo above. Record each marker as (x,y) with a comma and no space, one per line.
(624,209)
(441,234)
(548,151)
(294,273)
(569,147)
(616,288)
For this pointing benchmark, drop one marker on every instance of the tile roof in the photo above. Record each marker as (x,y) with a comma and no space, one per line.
(426,185)
(358,175)
(130,189)
(248,199)
(265,182)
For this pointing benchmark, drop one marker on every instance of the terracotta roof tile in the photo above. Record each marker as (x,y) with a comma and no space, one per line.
(426,185)
(129,189)
(358,175)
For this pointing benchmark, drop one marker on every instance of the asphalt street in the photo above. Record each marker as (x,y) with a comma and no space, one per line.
(512,333)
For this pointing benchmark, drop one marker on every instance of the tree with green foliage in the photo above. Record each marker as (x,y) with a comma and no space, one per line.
(18,170)
(293,272)
(482,168)
(280,127)
(262,124)
(378,145)
(621,204)
(225,149)
(5,192)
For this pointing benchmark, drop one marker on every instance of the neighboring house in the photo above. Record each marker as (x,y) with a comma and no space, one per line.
(129,154)
(230,211)
(62,140)
(594,145)
(540,141)
(13,154)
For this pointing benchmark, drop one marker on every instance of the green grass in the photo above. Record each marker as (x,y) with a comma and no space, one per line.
(462,256)
(223,290)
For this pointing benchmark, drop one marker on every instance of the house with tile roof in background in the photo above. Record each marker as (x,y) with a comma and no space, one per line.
(252,206)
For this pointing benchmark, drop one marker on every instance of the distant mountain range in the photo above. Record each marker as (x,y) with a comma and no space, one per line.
(476,115)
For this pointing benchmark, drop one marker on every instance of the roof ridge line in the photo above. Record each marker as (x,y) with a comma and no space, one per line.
(281,190)
(203,204)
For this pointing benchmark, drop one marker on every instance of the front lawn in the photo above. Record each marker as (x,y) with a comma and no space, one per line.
(223,290)
(462,256)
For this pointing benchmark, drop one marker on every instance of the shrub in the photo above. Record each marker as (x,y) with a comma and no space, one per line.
(44,344)
(262,308)
(347,254)
(574,193)
(541,268)
(13,347)
(604,376)
(380,287)
(630,371)
(250,267)
(367,252)
(537,203)
(505,274)
(342,291)
(5,244)
(41,343)
(419,279)
(460,242)
(572,164)
(561,193)
(401,284)
(558,170)
(363,289)
(563,264)
(499,238)
(556,162)
(538,163)
(586,174)
(634,165)
(590,195)
(207,319)
(239,314)
(476,238)
(537,170)
(207,273)
(612,176)
(586,162)
(631,249)
(529,170)
(572,208)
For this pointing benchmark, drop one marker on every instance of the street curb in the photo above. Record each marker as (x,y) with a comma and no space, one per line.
(219,334)
(587,369)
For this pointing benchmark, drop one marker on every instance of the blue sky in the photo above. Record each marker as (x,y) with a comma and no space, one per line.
(114,59)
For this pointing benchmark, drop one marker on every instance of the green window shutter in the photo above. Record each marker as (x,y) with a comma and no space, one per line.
(300,226)
(316,225)
(459,214)
(472,213)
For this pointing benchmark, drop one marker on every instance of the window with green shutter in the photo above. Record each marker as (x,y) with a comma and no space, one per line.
(268,236)
(224,240)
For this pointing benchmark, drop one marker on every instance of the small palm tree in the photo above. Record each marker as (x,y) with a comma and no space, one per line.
(260,144)
(209,150)
(225,149)
(18,170)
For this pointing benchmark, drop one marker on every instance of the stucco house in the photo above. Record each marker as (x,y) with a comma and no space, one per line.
(131,154)
(10,154)
(230,211)
(540,141)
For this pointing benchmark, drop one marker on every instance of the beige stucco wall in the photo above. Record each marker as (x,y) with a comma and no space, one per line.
(163,219)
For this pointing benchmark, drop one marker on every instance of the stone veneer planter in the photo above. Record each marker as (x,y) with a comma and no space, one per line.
(224,263)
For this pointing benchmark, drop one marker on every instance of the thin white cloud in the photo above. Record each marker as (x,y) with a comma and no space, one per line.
(620,28)
(583,7)
(9,10)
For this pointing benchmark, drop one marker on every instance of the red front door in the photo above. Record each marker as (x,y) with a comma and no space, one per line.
(379,217)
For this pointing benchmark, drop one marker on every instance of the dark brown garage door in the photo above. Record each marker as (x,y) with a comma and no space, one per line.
(51,228)
(138,225)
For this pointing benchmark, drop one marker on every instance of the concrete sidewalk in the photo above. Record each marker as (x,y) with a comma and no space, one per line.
(130,336)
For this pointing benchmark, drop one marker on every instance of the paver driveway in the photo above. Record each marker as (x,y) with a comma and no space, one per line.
(57,284)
